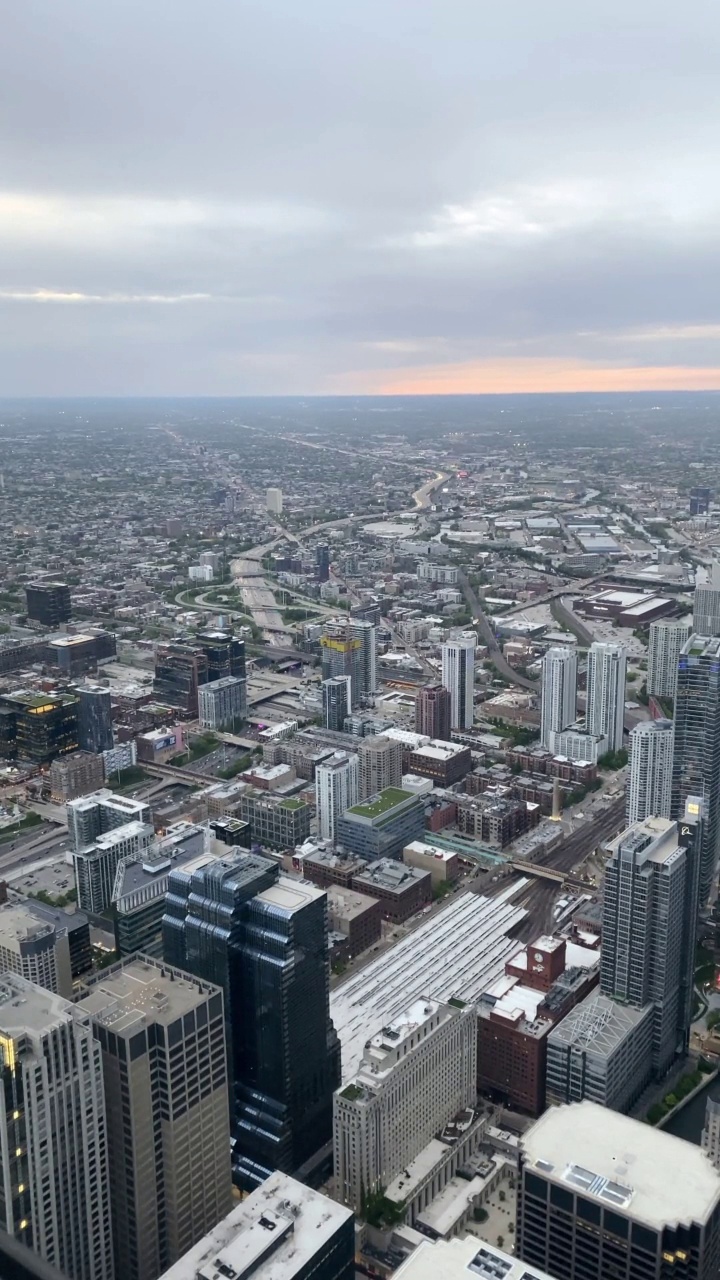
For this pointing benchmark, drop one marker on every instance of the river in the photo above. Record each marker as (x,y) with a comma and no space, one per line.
(688,1123)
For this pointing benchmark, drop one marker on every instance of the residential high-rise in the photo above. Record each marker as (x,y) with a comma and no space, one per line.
(366,632)
(263,938)
(322,557)
(415,1075)
(54,1194)
(283,1231)
(558,692)
(91,816)
(665,641)
(381,765)
(274,501)
(48,603)
(696,759)
(458,677)
(706,604)
(36,949)
(700,499)
(95,732)
(642,929)
(337,702)
(710,1140)
(606,671)
(96,865)
(649,788)
(337,782)
(75,775)
(222,703)
(141,885)
(432,712)
(341,657)
(162,1035)
(602,1195)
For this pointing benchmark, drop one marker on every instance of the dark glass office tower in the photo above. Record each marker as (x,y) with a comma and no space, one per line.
(323,562)
(48,603)
(225,654)
(95,731)
(263,938)
(179,670)
(336,696)
(696,758)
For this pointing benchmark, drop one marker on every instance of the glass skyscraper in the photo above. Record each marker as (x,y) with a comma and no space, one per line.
(95,732)
(263,939)
(696,757)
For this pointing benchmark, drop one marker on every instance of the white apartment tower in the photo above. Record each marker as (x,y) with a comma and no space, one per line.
(53,1151)
(458,676)
(605,716)
(274,501)
(337,788)
(665,643)
(706,605)
(559,692)
(649,791)
(415,1076)
(710,1140)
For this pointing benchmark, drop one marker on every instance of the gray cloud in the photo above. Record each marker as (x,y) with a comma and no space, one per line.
(272,196)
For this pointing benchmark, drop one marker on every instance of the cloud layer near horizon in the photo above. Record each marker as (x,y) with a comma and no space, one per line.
(278,197)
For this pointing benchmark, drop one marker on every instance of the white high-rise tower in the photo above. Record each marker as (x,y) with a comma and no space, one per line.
(54,1167)
(706,605)
(458,676)
(605,716)
(559,692)
(665,642)
(649,790)
(337,788)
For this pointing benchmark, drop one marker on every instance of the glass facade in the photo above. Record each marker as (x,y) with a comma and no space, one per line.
(272,963)
(94,720)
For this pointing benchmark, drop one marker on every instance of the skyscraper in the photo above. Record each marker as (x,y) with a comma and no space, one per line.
(601,1195)
(700,499)
(696,758)
(666,639)
(95,732)
(706,605)
(644,900)
(274,501)
(649,789)
(337,701)
(222,703)
(179,671)
(322,556)
(349,648)
(336,789)
(458,677)
(162,1035)
(54,1169)
(558,691)
(381,765)
(263,938)
(605,715)
(432,712)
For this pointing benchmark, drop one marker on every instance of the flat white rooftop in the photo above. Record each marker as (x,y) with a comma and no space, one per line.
(649,1175)
(468,1259)
(430,850)
(456,953)
(273,1235)
(290,895)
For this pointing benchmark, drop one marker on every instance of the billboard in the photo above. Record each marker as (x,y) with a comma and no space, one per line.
(162,744)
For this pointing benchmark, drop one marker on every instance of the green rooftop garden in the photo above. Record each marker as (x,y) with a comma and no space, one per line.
(292,804)
(380,803)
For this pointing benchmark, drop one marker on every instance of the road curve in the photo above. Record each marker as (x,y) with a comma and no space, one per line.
(501,665)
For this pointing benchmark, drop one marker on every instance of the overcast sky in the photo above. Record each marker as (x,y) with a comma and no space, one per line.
(250,196)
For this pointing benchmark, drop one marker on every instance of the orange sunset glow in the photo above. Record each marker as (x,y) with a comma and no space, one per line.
(505,377)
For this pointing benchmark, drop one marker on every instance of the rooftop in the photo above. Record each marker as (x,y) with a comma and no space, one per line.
(390,874)
(430,851)
(273,1235)
(26,1009)
(290,895)
(598,1023)
(653,1177)
(455,953)
(346,903)
(381,803)
(465,1259)
(141,991)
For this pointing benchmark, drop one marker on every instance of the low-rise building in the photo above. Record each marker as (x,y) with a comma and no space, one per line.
(157,746)
(496,817)
(443,864)
(281,824)
(403,891)
(325,867)
(355,919)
